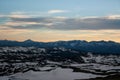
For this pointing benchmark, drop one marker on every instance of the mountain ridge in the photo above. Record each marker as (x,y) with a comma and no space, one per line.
(80,45)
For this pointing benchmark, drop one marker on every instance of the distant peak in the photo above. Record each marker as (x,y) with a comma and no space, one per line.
(28,40)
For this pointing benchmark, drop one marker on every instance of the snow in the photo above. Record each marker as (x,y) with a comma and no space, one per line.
(51,62)
(57,74)
(45,68)
(94,66)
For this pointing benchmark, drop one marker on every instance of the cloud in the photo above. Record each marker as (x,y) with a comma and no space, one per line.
(24,14)
(57,11)
(62,23)
(113,17)
(14,16)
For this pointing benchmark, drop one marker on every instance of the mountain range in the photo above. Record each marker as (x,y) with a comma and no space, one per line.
(102,47)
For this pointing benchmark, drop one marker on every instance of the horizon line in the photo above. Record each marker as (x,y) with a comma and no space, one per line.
(61,40)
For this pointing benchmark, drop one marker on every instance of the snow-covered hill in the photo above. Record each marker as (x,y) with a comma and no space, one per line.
(34,63)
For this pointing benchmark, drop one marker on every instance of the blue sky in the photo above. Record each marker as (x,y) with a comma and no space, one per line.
(76,7)
(51,19)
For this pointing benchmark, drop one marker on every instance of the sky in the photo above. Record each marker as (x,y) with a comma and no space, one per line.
(54,20)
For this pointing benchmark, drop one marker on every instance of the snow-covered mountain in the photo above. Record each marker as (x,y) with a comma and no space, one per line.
(103,47)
